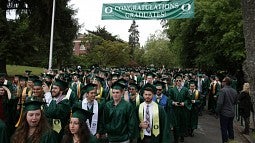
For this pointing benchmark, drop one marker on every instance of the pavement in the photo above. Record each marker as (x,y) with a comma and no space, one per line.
(249,138)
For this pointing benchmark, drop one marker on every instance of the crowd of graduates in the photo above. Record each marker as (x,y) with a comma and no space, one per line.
(118,105)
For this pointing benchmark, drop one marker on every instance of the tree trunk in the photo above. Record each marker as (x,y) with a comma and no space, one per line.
(248,8)
(3,65)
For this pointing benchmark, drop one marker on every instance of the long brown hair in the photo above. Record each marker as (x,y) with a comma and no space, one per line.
(83,133)
(21,133)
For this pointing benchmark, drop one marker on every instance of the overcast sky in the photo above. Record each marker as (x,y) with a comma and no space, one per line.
(89,15)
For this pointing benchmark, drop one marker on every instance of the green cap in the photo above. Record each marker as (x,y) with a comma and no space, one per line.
(33,78)
(177,75)
(159,83)
(88,88)
(81,114)
(28,72)
(37,82)
(117,75)
(149,87)
(49,76)
(23,78)
(62,84)
(33,103)
(118,86)
(150,74)
(136,86)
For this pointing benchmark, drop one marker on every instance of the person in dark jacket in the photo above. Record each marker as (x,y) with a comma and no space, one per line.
(226,109)
(245,106)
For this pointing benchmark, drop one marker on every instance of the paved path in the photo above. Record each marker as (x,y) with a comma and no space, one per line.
(209,132)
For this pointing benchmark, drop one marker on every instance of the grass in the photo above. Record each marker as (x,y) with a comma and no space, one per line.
(20,70)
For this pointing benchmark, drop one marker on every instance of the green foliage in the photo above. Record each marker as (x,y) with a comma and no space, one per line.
(157,52)
(211,40)
(26,39)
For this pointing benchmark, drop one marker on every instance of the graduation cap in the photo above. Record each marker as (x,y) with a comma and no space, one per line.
(149,87)
(62,84)
(49,76)
(17,76)
(37,82)
(101,80)
(33,78)
(199,75)
(33,103)
(28,72)
(150,74)
(81,114)
(88,88)
(116,75)
(177,75)
(159,83)
(136,86)
(118,86)
(23,78)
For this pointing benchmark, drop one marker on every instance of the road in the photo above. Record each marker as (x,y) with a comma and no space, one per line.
(209,131)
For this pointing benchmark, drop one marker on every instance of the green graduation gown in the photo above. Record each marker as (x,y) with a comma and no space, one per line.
(48,137)
(193,113)
(180,113)
(119,121)
(3,133)
(60,111)
(165,136)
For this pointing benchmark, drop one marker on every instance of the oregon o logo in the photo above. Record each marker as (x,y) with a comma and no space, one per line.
(108,10)
(186,7)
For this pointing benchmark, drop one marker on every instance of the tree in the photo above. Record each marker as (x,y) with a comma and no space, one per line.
(213,40)
(133,38)
(30,32)
(157,51)
(249,35)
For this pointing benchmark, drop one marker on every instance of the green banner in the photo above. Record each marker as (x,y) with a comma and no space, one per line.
(172,9)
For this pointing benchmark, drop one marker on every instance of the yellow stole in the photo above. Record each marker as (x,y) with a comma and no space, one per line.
(25,93)
(99,96)
(79,90)
(155,118)
(196,94)
(137,99)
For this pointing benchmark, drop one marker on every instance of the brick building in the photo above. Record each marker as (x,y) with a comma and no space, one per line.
(79,47)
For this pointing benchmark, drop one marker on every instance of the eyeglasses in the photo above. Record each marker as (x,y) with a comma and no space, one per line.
(178,80)
(131,89)
(159,89)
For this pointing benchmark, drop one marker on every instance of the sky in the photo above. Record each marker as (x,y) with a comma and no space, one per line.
(89,15)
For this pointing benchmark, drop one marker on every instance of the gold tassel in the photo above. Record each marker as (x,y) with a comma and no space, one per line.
(21,112)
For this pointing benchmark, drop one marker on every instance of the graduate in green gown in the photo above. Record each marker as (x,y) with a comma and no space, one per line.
(193,112)
(119,119)
(152,119)
(77,131)
(57,108)
(90,103)
(180,102)
(34,127)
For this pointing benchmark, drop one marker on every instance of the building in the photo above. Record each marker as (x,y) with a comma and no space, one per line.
(80,48)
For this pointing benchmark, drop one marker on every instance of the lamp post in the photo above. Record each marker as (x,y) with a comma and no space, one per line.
(51,35)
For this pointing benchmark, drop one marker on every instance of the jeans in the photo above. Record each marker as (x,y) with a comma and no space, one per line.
(227,131)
